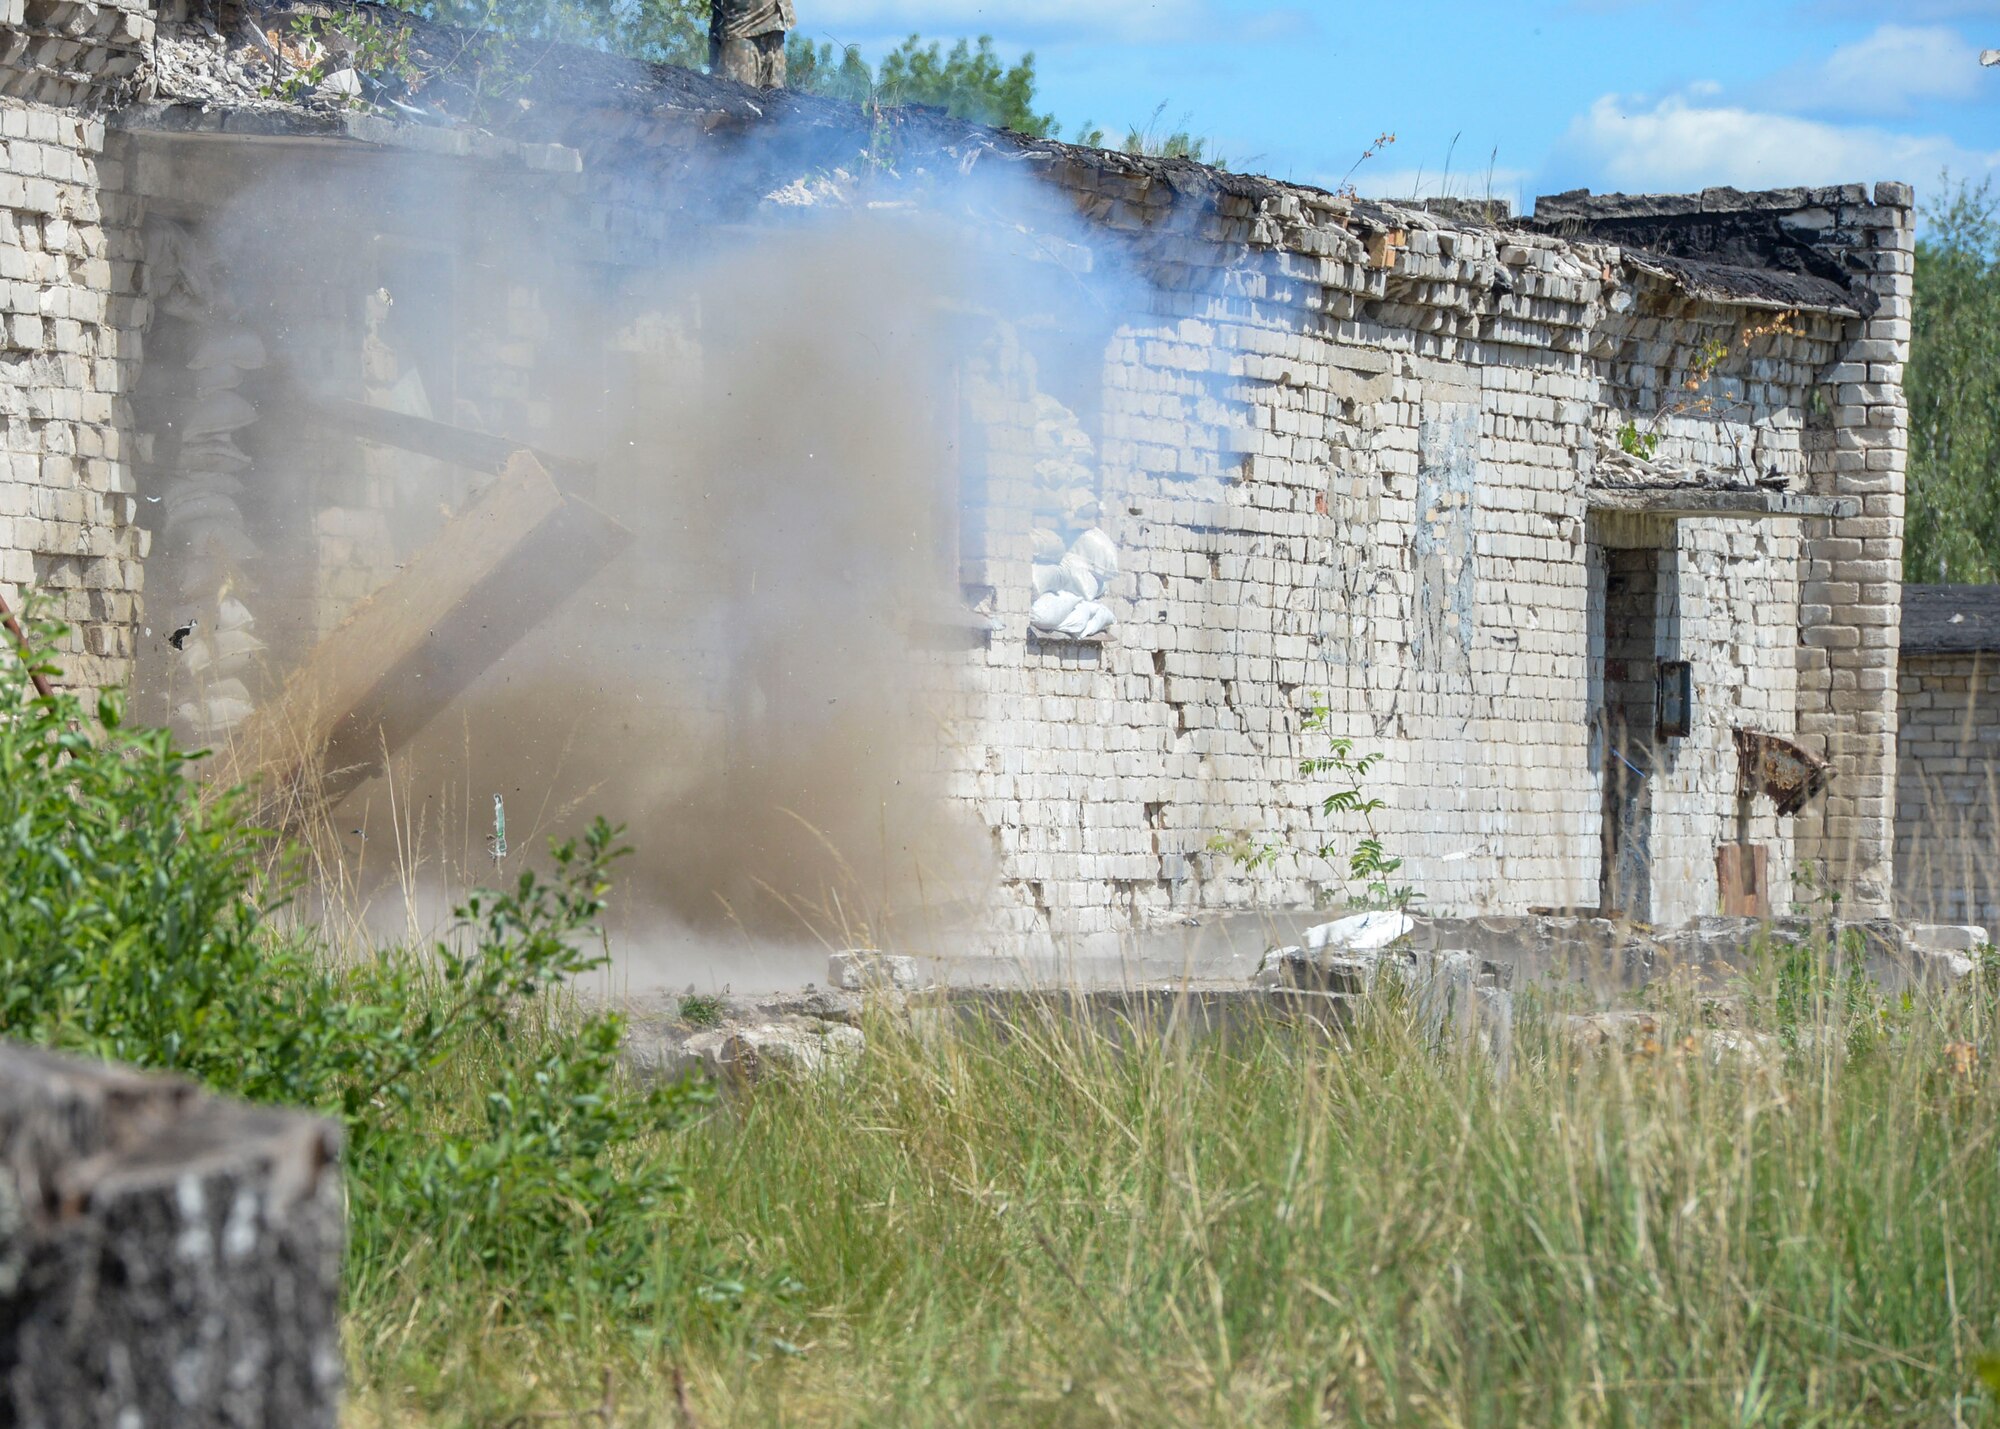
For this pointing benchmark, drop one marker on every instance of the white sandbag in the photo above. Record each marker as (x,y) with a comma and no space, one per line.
(1048,578)
(215,453)
(1049,611)
(229,653)
(199,574)
(229,644)
(216,412)
(188,484)
(227,714)
(181,301)
(408,396)
(1054,473)
(218,378)
(185,506)
(1088,619)
(1360,933)
(218,538)
(226,706)
(1048,546)
(233,614)
(1080,577)
(1066,439)
(231,346)
(1099,550)
(1079,504)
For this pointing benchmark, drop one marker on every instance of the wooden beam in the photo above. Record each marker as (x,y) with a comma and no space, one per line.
(476,451)
(405,653)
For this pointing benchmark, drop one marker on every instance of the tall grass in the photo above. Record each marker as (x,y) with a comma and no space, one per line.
(1030,1217)
(1041,1221)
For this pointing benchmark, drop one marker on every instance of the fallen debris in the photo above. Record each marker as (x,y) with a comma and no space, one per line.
(400,657)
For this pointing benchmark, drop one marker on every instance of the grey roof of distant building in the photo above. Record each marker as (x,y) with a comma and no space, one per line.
(1950,619)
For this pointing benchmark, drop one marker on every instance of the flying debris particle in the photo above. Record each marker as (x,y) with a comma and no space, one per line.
(179,638)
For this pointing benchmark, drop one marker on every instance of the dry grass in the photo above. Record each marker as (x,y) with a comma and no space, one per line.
(1040,1222)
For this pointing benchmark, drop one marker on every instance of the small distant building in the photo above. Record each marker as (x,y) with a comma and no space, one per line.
(1948,755)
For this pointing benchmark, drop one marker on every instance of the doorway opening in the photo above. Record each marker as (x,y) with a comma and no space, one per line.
(1636,625)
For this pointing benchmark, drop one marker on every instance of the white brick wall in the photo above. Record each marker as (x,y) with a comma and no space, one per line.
(1948,789)
(68,353)
(1263,471)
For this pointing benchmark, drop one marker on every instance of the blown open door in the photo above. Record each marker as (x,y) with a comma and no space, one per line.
(404,654)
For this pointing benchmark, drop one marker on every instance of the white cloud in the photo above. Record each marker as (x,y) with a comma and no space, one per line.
(1675,145)
(1888,71)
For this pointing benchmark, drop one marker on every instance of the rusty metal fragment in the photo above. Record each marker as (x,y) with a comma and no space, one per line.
(1789,774)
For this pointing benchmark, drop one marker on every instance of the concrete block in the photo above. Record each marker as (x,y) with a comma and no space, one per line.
(1947,937)
(862,970)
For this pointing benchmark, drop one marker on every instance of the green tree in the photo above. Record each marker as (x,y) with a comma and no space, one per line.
(663,31)
(1952,530)
(968,81)
(822,69)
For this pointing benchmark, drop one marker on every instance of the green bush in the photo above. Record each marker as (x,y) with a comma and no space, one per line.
(487,1120)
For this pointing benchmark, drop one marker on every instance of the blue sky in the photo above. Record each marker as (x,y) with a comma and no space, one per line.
(1604,94)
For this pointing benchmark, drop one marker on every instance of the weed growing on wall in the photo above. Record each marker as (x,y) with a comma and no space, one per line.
(314,48)
(1700,393)
(1369,864)
(486,1120)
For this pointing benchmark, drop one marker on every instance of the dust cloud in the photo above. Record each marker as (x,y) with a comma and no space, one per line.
(748,687)
(760,685)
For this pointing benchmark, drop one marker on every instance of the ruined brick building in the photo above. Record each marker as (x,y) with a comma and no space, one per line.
(1581,520)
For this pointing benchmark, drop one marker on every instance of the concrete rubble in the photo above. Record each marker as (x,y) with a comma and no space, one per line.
(1457,980)
(735,1041)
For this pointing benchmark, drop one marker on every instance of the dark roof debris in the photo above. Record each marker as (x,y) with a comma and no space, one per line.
(1754,248)
(1720,246)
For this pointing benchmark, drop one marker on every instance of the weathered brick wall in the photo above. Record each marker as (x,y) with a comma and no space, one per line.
(1948,788)
(69,322)
(1328,479)
(1345,455)
(1853,579)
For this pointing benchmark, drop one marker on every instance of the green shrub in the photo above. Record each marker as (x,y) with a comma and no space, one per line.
(1817,985)
(701,1010)
(486,1122)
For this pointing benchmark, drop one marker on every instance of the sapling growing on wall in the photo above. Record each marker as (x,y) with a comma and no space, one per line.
(1368,861)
